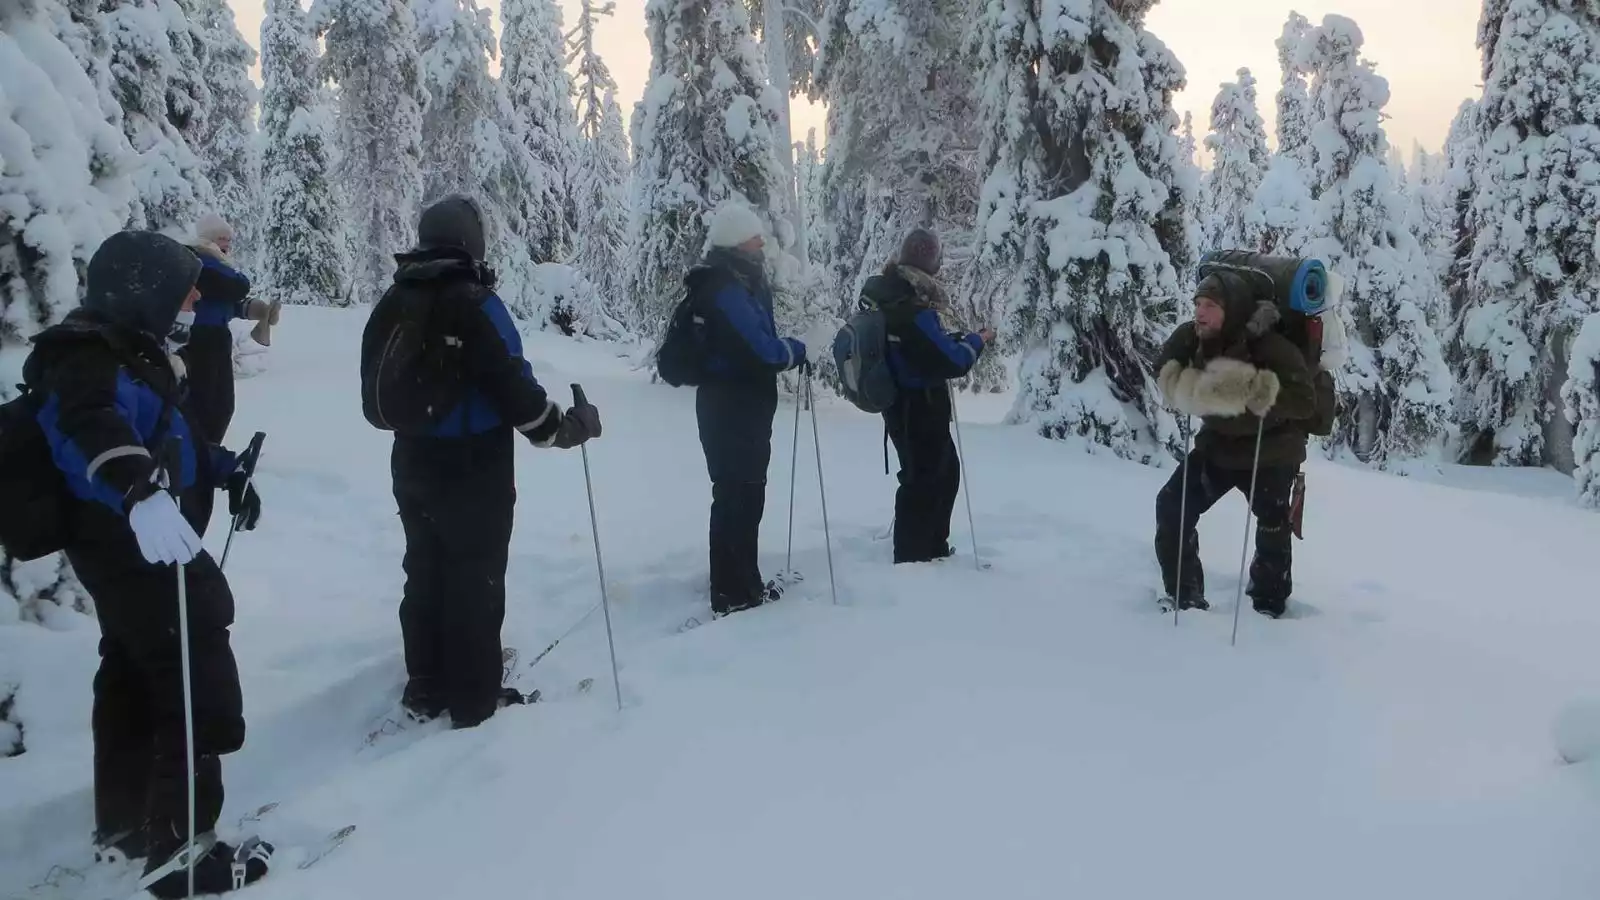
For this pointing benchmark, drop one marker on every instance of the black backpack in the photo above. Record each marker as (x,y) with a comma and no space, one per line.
(35,503)
(681,356)
(411,371)
(1299,287)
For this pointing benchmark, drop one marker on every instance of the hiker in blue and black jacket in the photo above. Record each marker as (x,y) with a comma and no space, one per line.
(738,399)
(138,474)
(208,356)
(455,485)
(923,356)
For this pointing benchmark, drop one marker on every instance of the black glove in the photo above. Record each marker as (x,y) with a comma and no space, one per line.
(579,425)
(244,504)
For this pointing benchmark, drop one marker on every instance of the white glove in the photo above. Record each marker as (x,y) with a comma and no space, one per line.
(165,536)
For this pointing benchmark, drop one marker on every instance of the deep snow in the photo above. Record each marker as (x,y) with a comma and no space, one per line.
(1034,730)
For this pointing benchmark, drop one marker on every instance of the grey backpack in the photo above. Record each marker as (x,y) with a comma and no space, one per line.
(861,350)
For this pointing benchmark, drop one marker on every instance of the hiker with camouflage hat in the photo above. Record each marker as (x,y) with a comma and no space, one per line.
(923,357)
(1244,379)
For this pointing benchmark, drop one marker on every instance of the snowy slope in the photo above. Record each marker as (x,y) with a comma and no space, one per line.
(1035,730)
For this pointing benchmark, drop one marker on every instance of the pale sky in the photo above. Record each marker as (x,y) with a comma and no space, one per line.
(1424,47)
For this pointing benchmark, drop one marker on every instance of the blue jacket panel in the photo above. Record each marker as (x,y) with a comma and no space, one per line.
(924,354)
(224,292)
(477,413)
(138,407)
(745,340)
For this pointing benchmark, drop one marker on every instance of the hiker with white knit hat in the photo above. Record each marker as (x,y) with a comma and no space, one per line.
(224,296)
(738,397)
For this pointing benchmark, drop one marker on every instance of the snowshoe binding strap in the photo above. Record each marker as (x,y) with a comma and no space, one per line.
(252,848)
(186,858)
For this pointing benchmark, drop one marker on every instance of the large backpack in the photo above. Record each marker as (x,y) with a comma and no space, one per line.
(861,350)
(35,503)
(681,355)
(411,370)
(1300,288)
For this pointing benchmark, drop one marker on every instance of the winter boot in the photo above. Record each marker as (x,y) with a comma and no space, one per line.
(727,604)
(123,846)
(224,868)
(422,701)
(508,696)
(1270,606)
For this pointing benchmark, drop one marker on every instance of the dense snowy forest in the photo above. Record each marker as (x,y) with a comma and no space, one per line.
(1073,213)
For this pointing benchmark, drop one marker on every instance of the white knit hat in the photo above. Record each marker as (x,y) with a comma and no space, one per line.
(212,227)
(732,224)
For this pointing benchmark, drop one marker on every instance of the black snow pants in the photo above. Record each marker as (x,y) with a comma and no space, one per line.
(1271,580)
(140,770)
(930,473)
(208,359)
(736,434)
(457,497)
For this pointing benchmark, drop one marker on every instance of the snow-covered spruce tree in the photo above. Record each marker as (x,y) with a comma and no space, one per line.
(66,180)
(601,189)
(599,182)
(1285,201)
(800,40)
(1431,213)
(810,165)
(1395,389)
(11,737)
(705,135)
(1294,100)
(535,76)
(1534,273)
(900,152)
(302,257)
(1581,394)
(1084,197)
(169,179)
(370,52)
(1186,139)
(227,145)
(1238,147)
(1461,153)
(188,95)
(474,144)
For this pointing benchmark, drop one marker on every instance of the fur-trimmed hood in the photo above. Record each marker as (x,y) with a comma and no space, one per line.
(930,292)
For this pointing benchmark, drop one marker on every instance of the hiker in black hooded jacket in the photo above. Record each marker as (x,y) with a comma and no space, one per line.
(139,473)
(456,484)
(923,356)
(738,399)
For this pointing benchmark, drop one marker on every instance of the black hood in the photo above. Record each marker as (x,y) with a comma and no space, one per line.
(139,280)
(1241,301)
(453,223)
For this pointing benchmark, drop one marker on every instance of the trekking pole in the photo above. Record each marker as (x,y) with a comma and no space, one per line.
(1244,550)
(827,536)
(794,468)
(578,399)
(1187,427)
(966,490)
(254,454)
(188,711)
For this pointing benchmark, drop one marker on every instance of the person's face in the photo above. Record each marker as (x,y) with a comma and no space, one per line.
(225,244)
(754,246)
(1208,316)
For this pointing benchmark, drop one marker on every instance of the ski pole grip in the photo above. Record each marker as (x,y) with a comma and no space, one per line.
(252,453)
(578,397)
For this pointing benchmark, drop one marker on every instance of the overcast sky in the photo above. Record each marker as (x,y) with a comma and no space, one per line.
(1424,47)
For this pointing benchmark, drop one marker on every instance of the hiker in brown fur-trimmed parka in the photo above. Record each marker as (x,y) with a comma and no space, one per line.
(1233,370)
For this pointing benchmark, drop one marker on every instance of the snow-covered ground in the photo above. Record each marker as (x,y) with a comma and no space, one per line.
(1034,730)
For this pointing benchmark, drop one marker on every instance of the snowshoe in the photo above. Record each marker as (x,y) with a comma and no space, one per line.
(422,701)
(222,868)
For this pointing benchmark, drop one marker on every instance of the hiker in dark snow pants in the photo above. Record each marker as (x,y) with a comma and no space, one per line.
(208,354)
(737,401)
(112,413)
(1231,368)
(922,356)
(456,485)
